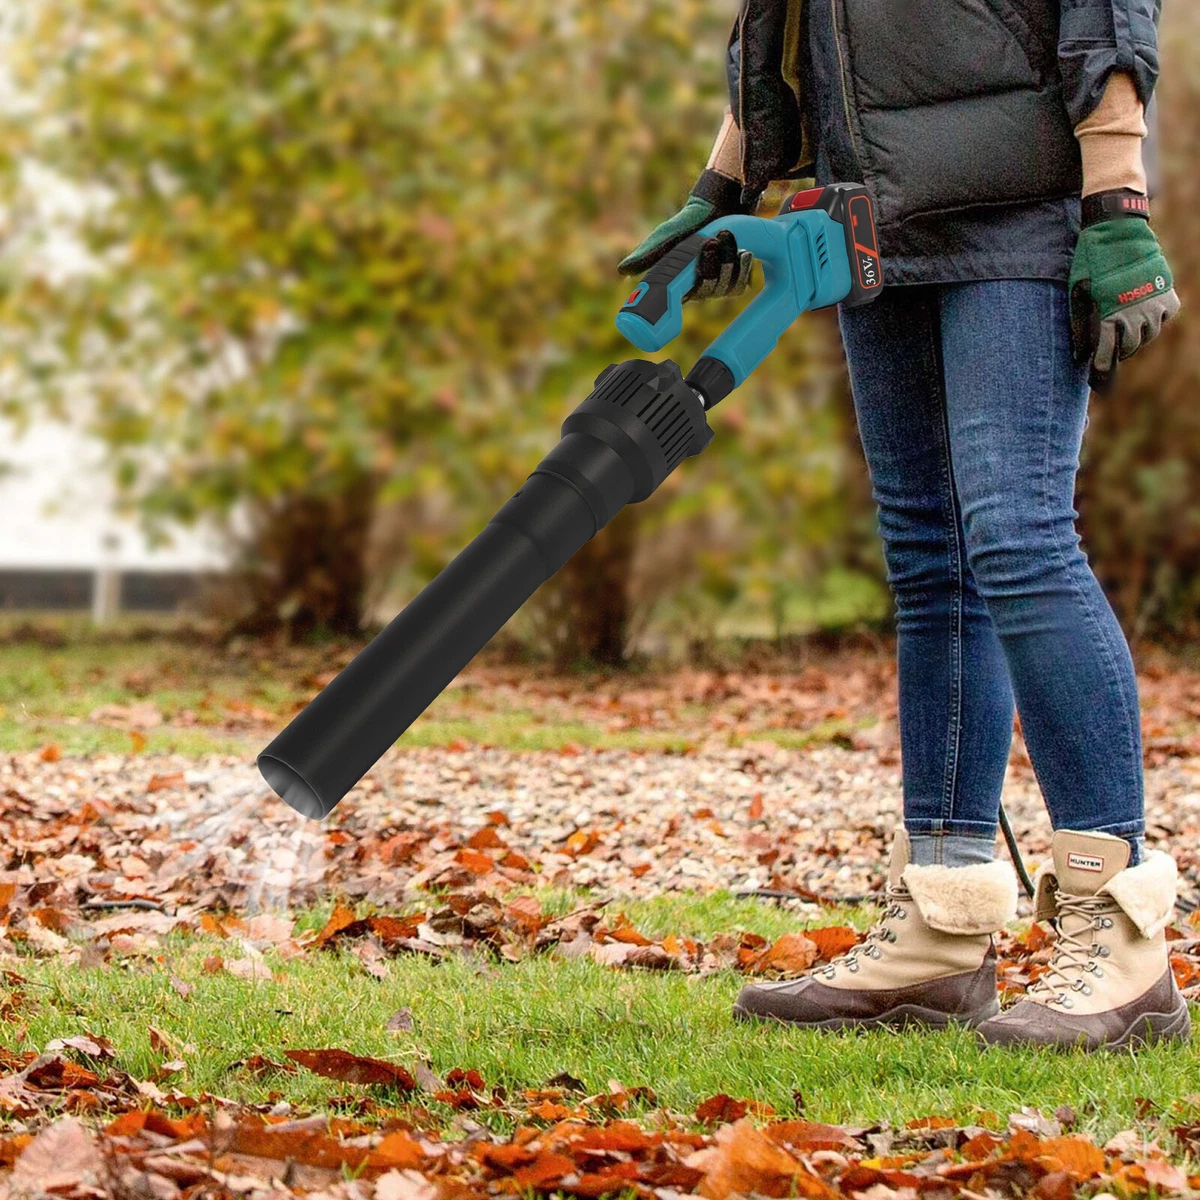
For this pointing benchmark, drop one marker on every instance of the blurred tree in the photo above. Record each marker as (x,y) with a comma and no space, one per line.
(312,228)
(1140,499)
(341,253)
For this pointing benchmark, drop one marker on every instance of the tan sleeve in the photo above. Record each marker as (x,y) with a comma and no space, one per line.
(726,156)
(1110,139)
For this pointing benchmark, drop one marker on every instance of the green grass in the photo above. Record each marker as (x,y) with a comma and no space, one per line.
(521,1024)
(51,684)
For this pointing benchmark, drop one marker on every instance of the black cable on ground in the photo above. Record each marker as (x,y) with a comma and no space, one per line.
(1010,840)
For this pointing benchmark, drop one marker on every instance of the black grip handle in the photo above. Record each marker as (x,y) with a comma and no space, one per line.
(649,299)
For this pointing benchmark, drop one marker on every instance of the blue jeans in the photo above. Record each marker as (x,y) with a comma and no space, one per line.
(971,412)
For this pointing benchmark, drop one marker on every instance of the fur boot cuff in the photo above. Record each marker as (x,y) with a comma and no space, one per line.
(1147,892)
(967,900)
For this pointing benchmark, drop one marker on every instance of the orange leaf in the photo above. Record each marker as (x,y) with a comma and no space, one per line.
(486,839)
(51,753)
(580,843)
(473,861)
(400,1151)
(341,918)
(745,1161)
(160,783)
(549,1111)
(1079,1157)
(832,940)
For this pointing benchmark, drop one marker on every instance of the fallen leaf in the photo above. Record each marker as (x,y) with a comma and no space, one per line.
(160,783)
(400,1021)
(62,1157)
(404,1185)
(790,955)
(353,1068)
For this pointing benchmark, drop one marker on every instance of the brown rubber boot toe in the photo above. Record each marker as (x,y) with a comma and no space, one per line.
(966,999)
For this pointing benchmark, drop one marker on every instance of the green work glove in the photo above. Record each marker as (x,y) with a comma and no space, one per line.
(713,196)
(1121,287)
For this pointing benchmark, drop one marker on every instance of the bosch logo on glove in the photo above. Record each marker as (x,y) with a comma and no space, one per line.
(1139,293)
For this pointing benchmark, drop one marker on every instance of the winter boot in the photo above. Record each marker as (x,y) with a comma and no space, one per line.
(929,961)
(1109,982)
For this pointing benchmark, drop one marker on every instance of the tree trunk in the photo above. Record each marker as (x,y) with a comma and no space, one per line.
(306,571)
(597,586)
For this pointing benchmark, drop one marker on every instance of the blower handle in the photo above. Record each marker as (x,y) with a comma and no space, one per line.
(820,249)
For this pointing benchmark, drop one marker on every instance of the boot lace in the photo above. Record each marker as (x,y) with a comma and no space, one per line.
(879,934)
(1074,964)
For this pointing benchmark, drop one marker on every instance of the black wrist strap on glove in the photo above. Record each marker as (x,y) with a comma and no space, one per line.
(1120,202)
(723,193)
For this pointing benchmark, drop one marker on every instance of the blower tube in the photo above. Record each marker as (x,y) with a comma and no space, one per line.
(639,423)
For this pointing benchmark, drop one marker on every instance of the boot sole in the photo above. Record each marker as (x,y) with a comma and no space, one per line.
(1173,1026)
(904,1016)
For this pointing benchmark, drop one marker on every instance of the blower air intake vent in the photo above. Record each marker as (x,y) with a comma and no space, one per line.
(821,249)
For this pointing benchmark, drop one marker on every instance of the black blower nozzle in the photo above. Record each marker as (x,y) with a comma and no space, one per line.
(639,423)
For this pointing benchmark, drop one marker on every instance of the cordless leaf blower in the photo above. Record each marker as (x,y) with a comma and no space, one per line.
(640,422)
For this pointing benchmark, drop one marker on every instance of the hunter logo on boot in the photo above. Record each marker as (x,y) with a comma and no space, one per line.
(1085,862)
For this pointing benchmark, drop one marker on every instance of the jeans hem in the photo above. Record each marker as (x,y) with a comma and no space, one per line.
(930,827)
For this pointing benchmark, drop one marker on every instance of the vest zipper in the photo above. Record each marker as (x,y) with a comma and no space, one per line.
(837,41)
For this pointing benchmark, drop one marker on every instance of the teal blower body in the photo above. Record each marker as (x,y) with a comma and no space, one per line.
(641,420)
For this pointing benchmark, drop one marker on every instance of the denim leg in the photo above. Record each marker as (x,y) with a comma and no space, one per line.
(1017,407)
(956,707)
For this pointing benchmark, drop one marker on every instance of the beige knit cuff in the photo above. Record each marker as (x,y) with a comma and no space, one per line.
(1110,139)
(726,156)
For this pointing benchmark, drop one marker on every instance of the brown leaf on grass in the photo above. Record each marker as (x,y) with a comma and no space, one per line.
(311,1147)
(790,955)
(61,1159)
(90,1044)
(400,1021)
(743,1161)
(806,1137)
(354,1068)
(720,1110)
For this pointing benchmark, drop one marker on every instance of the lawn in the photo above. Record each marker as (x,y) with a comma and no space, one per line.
(522,1024)
(140,995)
